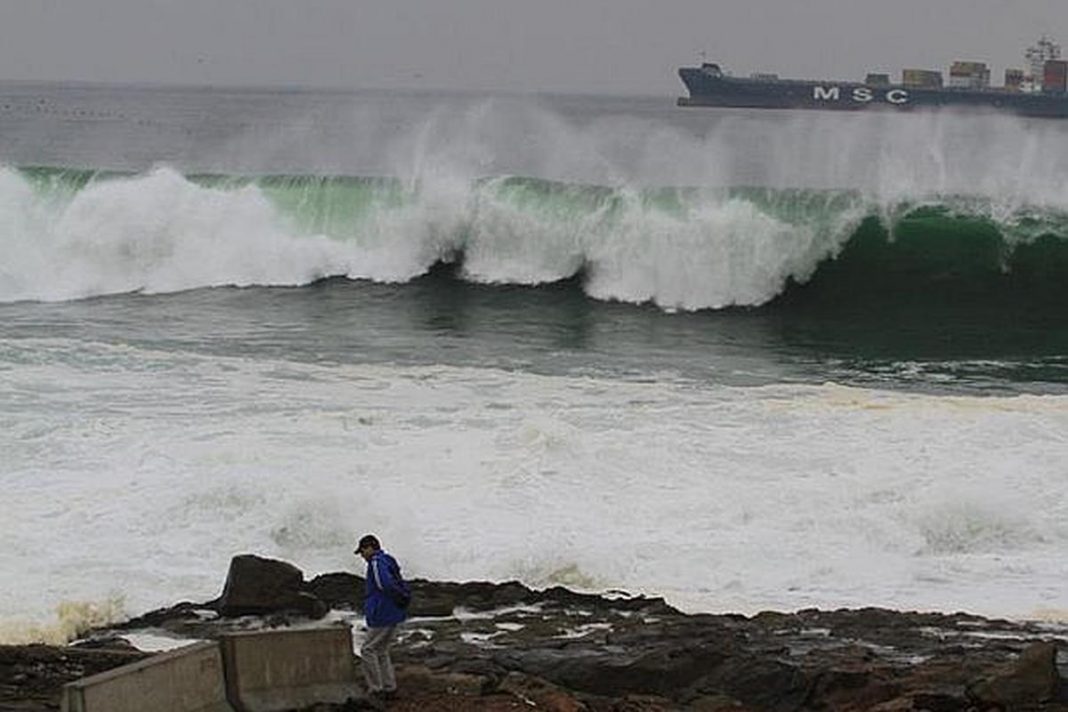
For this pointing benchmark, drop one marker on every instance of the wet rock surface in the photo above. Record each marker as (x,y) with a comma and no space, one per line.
(484,646)
(31,675)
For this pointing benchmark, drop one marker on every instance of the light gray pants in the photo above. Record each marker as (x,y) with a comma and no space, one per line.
(377,666)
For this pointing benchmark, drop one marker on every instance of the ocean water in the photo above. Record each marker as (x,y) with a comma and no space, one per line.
(744,360)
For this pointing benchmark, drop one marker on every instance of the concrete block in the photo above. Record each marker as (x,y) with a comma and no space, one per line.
(269,671)
(188,679)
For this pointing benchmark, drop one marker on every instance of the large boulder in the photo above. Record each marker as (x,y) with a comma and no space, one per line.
(258,586)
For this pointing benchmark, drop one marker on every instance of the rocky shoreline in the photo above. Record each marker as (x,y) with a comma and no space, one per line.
(486,646)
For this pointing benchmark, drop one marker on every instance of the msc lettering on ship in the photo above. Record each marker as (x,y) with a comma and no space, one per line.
(861,95)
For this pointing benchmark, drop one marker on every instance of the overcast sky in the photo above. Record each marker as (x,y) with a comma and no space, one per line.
(609,46)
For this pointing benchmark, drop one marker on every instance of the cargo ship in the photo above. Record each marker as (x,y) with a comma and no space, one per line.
(1039,92)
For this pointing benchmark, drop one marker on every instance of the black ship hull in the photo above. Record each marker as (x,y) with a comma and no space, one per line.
(708,88)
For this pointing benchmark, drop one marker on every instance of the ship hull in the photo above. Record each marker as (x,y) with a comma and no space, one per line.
(709,89)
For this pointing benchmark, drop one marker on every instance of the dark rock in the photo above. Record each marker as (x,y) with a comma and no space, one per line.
(304,606)
(643,703)
(481,667)
(419,677)
(438,599)
(444,597)
(338,590)
(257,586)
(363,703)
(539,694)
(161,616)
(186,620)
(1031,679)
(841,682)
(760,682)
(658,671)
(714,703)
(561,649)
(560,596)
(110,642)
(428,602)
(308,605)
(940,702)
(32,676)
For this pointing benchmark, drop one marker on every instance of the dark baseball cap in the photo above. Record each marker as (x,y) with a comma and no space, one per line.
(368,540)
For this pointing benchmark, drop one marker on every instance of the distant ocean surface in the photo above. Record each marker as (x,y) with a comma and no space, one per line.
(742,359)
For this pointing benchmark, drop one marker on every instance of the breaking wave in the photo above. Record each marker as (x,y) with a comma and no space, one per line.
(70,234)
(73,619)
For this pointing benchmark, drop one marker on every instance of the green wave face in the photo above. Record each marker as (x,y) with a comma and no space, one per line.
(331,206)
(678,247)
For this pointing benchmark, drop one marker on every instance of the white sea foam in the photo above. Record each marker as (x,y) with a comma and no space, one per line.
(154,233)
(143,472)
(72,618)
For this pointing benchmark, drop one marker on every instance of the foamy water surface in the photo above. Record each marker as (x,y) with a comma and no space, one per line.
(141,473)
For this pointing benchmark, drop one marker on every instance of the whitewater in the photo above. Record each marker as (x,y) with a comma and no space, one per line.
(743,360)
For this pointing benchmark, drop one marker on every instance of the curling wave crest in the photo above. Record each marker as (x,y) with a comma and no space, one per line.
(76,234)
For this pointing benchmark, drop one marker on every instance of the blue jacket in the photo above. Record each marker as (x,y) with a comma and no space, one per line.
(383,584)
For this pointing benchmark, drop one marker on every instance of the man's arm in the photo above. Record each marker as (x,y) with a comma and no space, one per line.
(383,576)
(387,583)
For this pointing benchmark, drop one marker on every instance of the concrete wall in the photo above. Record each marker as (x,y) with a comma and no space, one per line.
(188,679)
(270,671)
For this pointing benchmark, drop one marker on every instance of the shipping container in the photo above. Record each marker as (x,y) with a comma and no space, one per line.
(1055,75)
(968,68)
(1014,79)
(921,78)
(970,75)
(877,79)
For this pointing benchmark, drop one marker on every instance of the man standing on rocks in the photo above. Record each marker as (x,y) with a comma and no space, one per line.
(385,607)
